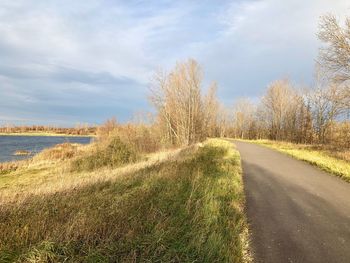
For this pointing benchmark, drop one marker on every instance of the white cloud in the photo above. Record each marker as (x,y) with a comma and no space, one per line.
(98,55)
(264,40)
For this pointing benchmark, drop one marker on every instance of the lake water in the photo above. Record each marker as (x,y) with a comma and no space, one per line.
(34,144)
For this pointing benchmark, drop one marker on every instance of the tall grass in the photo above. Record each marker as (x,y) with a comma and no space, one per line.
(62,151)
(187,208)
(8,167)
(112,153)
(332,161)
(142,138)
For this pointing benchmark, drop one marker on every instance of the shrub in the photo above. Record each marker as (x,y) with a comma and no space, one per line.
(112,153)
(8,167)
(59,152)
(143,138)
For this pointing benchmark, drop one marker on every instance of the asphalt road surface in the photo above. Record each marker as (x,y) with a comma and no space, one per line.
(296,212)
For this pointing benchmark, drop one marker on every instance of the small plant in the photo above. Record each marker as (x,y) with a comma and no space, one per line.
(8,167)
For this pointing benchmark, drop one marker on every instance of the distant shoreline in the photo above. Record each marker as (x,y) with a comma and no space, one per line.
(47,134)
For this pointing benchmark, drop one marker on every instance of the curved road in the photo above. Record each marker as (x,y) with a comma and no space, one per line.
(296,212)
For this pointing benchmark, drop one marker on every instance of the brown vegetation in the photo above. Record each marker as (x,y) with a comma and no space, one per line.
(176,205)
(78,130)
(22,153)
(10,166)
(142,137)
(112,153)
(59,152)
(184,115)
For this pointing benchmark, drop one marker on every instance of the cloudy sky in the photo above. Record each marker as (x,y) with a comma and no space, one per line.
(64,61)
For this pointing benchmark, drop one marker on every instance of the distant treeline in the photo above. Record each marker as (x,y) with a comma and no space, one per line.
(319,114)
(316,115)
(78,130)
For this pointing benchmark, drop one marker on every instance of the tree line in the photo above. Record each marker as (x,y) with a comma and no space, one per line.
(79,129)
(315,115)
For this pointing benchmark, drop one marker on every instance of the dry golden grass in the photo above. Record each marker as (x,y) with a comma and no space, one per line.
(181,205)
(44,176)
(9,167)
(333,160)
(60,152)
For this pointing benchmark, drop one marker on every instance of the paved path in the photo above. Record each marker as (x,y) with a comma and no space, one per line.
(296,212)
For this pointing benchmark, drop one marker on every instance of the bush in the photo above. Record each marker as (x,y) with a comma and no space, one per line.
(59,152)
(8,167)
(143,138)
(112,154)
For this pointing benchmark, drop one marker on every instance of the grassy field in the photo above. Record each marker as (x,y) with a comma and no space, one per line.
(336,162)
(42,134)
(183,205)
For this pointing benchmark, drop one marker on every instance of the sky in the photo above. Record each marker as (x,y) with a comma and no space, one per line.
(65,62)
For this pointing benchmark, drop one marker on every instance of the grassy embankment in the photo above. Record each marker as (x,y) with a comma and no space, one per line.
(334,161)
(183,205)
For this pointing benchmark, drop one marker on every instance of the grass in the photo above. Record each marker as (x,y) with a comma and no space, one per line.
(112,154)
(183,205)
(332,161)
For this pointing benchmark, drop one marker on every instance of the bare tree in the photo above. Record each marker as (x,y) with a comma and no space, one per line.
(277,104)
(223,121)
(243,118)
(326,108)
(211,107)
(327,104)
(335,56)
(177,97)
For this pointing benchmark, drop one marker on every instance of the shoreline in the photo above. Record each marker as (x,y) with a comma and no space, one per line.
(44,134)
